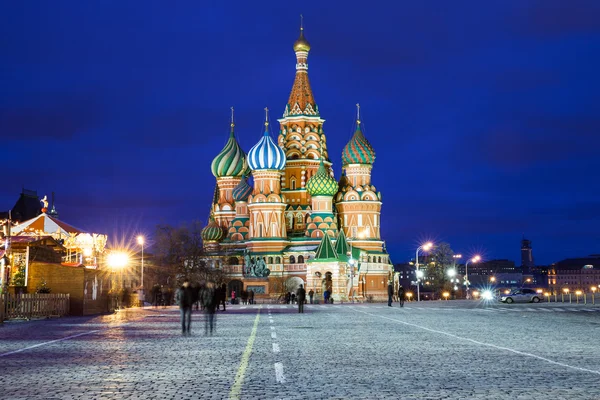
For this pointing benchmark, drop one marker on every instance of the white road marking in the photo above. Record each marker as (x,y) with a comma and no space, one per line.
(276,348)
(270,320)
(272,328)
(485,344)
(243,308)
(50,342)
(279,373)
(273,335)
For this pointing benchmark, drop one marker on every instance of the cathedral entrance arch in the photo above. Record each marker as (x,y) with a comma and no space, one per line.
(293,283)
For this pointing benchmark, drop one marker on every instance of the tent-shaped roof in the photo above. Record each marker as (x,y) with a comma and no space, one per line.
(325,251)
(47,224)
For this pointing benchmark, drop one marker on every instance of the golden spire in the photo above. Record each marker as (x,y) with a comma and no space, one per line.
(266,118)
(232,124)
(301,44)
(358,113)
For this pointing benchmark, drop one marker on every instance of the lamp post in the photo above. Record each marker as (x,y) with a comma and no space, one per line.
(118,260)
(351,262)
(593,294)
(425,247)
(140,240)
(474,260)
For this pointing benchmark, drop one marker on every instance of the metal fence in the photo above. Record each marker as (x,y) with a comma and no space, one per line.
(36,305)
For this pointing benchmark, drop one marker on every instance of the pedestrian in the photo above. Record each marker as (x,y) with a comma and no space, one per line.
(326,296)
(233,297)
(210,302)
(293,298)
(311,294)
(251,296)
(301,296)
(244,297)
(222,296)
(390,293)
(288,298)
(401,295)
(185,300)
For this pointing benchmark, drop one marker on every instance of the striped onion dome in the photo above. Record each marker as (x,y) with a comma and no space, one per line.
(266,154)
(231,161)
(358,150)
(321,183)
(212,232)
(242,190)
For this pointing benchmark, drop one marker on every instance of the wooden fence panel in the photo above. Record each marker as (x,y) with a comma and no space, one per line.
(36,305)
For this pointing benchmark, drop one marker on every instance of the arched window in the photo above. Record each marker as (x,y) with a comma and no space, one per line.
(278,260)
(233,261)
(369,259)
(379,258)
(292,260)
(293,183)
(270,260)
(300,259)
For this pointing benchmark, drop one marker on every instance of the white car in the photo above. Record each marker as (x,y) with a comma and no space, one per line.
(522,296)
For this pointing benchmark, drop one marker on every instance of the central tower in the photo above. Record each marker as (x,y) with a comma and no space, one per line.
(303,141)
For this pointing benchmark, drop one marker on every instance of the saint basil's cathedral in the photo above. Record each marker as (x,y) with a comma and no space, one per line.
(297,224)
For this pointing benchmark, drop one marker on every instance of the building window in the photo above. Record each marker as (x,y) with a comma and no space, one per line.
(293,183)
(300,259)
(292,260)
(278,260)
(270,260)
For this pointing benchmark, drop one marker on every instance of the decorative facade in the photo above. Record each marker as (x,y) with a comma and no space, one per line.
(296,224)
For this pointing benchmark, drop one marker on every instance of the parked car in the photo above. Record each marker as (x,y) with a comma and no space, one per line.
(522,296)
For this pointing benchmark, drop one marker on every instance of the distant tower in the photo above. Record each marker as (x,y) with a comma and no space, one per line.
(53,212)
(526,255)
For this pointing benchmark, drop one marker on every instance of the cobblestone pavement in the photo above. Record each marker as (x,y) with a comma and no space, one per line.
(427,350)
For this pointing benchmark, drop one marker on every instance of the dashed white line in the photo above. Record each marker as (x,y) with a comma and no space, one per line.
(279,373)
(272,328)
(276,348)
(273,335)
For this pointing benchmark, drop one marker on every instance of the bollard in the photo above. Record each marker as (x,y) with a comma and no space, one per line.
(570,298)
(563,297)
(585,298)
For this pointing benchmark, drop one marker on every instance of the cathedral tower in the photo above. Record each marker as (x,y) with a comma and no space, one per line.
(358,202)
(302,138)
(228,167)
(266,203)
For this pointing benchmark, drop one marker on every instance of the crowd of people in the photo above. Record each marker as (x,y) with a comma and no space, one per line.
(207,297)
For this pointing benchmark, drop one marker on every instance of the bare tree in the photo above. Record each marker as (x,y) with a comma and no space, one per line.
(441,258)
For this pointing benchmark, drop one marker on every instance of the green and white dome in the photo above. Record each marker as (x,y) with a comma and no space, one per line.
(321,183)
(231,161)
(212,232)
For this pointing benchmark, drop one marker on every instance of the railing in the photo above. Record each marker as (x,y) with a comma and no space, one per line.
(37,305)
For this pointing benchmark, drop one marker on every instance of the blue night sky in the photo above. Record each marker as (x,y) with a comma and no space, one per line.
(484,114)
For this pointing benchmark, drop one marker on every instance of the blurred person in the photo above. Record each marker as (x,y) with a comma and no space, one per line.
(185,299)
(301,296)
(210,302)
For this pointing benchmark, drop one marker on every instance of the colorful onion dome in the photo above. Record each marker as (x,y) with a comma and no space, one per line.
(266,154)
(212,232)
(321,183)
(358,150)
(231,161)
(301,44)
(242,190)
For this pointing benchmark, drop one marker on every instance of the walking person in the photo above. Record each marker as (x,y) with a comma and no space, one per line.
(390,293)
(311,294)
(301,297)
(251,296)
(401,295)
(233,297)
(210,301)
(185,300)
(222,296)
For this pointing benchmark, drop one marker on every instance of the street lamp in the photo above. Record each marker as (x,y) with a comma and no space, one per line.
(473,260)
(425,247)
(593,294)
(140,240)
